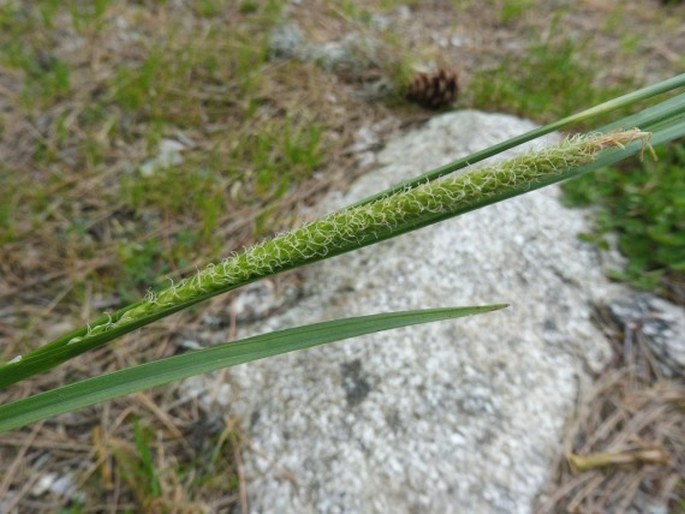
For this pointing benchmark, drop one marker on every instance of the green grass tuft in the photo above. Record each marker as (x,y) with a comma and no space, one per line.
(644,204)
(547,83)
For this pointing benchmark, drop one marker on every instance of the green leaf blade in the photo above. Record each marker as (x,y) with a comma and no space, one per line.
(144,376)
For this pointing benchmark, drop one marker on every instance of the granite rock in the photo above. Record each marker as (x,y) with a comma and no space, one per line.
(352,52)
(659,323)
(457,416)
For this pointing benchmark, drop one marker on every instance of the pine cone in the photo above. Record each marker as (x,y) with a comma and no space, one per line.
(434,90)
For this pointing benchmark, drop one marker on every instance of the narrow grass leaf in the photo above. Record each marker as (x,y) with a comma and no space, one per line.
(95,390)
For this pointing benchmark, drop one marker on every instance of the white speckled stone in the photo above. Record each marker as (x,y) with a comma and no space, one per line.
(460,416)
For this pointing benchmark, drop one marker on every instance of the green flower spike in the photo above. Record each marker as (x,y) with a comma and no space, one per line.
(360,226)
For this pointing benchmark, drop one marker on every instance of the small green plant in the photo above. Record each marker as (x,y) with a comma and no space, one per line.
(142,263)
(514,9)
(134,87)
(75,508)
(8,207)
(546,83)
(88,17)
(644,204)
(248,7)
(208,8)
(137,466)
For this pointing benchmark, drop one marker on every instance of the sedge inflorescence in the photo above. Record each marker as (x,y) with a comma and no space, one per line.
(358,226)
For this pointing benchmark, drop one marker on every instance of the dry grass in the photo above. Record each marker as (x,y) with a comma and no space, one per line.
(87,97)
(626,446)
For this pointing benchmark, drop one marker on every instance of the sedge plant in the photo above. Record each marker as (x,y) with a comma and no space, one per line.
(435,196)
